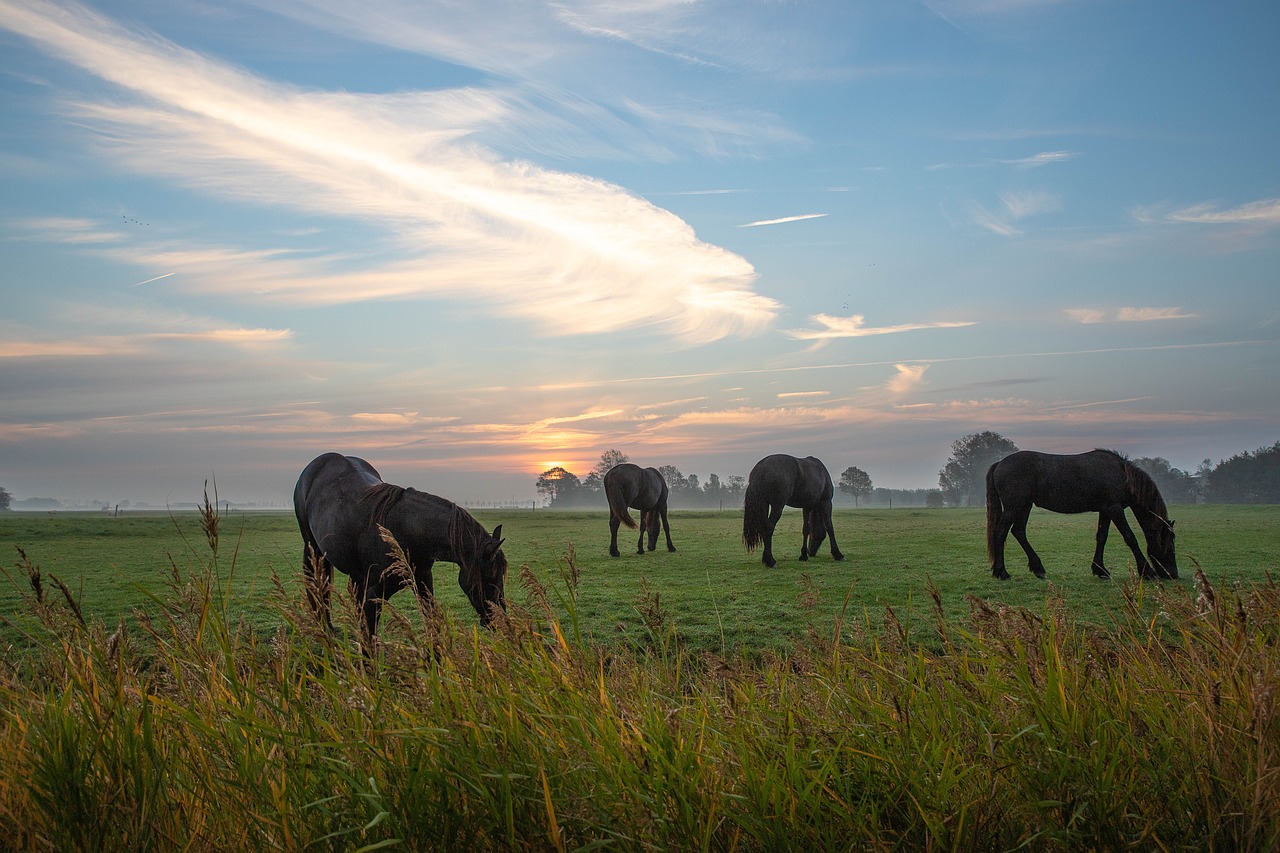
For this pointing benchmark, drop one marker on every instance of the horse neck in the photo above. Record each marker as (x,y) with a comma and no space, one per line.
(1148,506)
(425,521)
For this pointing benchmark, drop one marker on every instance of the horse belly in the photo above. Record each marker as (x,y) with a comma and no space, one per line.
(1064,506)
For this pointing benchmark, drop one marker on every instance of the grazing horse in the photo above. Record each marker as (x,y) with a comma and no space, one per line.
(343,506)
(780,481)
(627,485)
(1100,481)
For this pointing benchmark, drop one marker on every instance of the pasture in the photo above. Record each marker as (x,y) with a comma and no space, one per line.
(717,596)
(166,688)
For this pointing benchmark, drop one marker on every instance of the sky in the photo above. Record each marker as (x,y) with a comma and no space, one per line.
(469,242)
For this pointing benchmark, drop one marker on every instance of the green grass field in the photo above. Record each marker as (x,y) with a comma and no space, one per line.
(717,595)
(162,688)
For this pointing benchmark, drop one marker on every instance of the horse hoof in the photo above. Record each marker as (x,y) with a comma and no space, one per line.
(1000,574)
(614,554)
(1103,573)
(1039,574)
(671,548)
(838,557)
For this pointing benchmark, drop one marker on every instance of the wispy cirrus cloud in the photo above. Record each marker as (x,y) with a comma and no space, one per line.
(465,223)
(1032,161)
(908,378)
(1089,316)
(1016,206)
(1043,158)
(1264,212)
(108,345)
(1023,204)
(854,326)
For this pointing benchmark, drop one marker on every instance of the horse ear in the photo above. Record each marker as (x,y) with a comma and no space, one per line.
(497,533)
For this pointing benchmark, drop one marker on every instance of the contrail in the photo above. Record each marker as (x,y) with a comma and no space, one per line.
(799,218)
(148,281)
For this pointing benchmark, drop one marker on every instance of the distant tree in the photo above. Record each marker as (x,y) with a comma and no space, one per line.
(557,484)
(736,491)
(714,489)
(963,480)
(1246,478)
(5,498)
(591,488)
(608,459)
(855,481)
(1176,487)
(899,497)
(934,500)
(675,480)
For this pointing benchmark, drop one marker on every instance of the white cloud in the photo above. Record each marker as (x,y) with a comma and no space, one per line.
(1021,205)
(574,254)
(113,345)
(855,326)
(1264,212)
(907,379)
(1044,158)
(1126,315)
(1086,315)
(995,224)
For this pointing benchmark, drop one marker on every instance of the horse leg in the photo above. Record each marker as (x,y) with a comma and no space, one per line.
(1100,569)
(1122,524)
(1020,533)
(614,521)
(317,578)
(1003,524)
(644,526)
(806,533)
(775,513)
(652,517)
(831,534)
(369,597)
(666,527)
(423,583)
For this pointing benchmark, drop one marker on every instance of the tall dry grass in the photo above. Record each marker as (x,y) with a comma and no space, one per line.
(1016,729)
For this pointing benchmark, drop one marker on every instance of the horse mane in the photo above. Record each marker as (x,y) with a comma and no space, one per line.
(1143,490)
(381,498)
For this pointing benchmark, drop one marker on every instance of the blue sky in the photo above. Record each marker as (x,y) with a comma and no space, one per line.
(470,241)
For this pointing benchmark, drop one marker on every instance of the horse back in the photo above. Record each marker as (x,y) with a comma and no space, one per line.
(332,515)
(1066,483)
(781,478)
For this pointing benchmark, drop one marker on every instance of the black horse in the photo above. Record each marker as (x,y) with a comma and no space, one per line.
(627,485)
(341,502)
(1100,481)
(779,481)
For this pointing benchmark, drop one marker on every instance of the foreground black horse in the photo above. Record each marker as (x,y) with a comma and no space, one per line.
(780,481)
(341,502)
(1100,481)
(627,485)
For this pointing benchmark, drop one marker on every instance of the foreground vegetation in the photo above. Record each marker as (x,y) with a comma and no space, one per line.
(197,722)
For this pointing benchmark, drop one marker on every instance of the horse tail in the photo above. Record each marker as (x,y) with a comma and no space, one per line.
(618,507)
(993,511)
(755,519)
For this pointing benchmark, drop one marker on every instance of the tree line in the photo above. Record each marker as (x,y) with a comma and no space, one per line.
(1248,477)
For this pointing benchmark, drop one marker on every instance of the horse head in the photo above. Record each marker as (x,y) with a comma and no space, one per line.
(483,574)
(1160,547)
